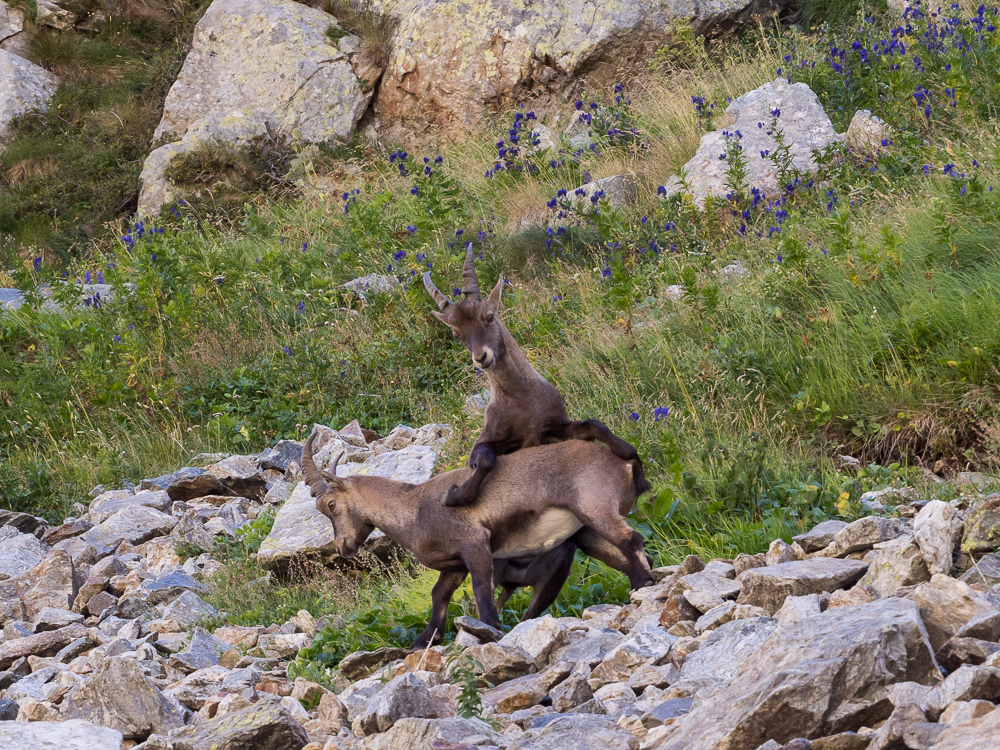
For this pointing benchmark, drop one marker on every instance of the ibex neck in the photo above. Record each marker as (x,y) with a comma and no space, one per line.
(513,372)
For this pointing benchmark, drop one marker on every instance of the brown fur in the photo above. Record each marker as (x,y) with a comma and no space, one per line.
(584,479)
(525,410)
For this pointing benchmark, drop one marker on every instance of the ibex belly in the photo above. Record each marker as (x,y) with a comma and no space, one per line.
(553,527)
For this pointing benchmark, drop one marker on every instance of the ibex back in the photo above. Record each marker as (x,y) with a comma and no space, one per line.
(532,503)
(525,410)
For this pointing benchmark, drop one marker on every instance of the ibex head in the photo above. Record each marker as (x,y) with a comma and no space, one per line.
(338,500)
(473,321)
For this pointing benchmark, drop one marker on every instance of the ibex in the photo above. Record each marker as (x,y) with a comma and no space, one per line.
(533,502)
(524,409)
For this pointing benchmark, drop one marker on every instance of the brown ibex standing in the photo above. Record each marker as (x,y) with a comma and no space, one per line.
(524,409)
(530,505)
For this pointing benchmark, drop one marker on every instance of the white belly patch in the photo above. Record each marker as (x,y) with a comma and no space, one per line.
(553,527)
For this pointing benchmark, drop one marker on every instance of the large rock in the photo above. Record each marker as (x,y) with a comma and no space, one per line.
(18,552)
(301,530)
(262,726)
(134,524)
(721,653)
(804,126)
(203,651)
(119,696)
(406,696)
(937,529)
(62,735)
(429,734)
(106,505)
(946,605)
(817,677)
(819,536)
(13,37)
(972,735)
(577,732)
(982,526)
(53,582)
(24,87)
(539,637)
(47,643)
(866,532)
(769,586)
(454,60)
(257,66)
(898,564)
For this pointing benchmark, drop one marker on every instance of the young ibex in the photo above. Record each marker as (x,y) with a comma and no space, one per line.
(524,409)
(532,503)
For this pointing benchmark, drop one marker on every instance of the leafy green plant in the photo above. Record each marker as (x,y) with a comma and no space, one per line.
(463,670)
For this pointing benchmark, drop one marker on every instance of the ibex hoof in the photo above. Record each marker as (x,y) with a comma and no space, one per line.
(454,498)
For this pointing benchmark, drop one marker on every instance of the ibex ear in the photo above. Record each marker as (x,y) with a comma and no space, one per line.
(494,298)
(440,316)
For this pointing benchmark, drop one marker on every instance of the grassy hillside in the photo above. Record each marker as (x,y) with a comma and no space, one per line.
(865,324)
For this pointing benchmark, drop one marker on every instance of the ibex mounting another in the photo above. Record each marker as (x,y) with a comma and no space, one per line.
(525,409)
(532,503)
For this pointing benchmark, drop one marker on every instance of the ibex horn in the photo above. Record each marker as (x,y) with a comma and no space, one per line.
(314,479)
(440,299)
(470,286)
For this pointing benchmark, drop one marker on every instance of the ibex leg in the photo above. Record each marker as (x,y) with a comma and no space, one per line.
(482,459)
(441,595)
(558,564)
(477,558)
(613,529)
(591,429)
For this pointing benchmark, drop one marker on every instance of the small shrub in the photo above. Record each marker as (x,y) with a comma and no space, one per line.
(369,23)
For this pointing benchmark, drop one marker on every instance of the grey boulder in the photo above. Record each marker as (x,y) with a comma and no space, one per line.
(820,676)
(62,735)
(577,732)
(120,697)
(262,726)
(768,587)
(430,734)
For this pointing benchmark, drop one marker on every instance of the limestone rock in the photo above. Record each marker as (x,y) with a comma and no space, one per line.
(373,283)
(63,735)
(866,532)
(239,474)
(646,647)
(269,65)
(53,582)
(592,648)
(973,735)
(362,663)
(482,631)
(937,529)
(964,684)
(24,87)
(432,734)
(802,121)
(539,638)
(134,524)
(204,650)
(262,726)
(946,605)
(713,583)
(18,552)
(193,486)
(768,587)
(55,16)
(452,61)
(820,535)
(188,608)
(820,676)
(982,526)
(866,133)
(721,653)
(406,696)
(103,507)
(575,690)
(744,562)
(780,552)
(898,563)
(577,732)
(798,608)
(119,696)
(13,38)
(502,663)
(40,644)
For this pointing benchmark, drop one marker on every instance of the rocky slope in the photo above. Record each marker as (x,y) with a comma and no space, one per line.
(880,633)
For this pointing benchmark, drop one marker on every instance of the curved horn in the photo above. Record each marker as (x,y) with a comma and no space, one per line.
(314,479)
(333,466)
(440,299)
(470,285)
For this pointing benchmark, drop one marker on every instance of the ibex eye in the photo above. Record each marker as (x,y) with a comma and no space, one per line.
(489,318)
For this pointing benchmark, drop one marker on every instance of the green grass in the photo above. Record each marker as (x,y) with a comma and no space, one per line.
(865,326)
(72,171)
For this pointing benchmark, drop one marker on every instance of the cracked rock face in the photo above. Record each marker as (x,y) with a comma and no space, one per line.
(256,66)
(454,59)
